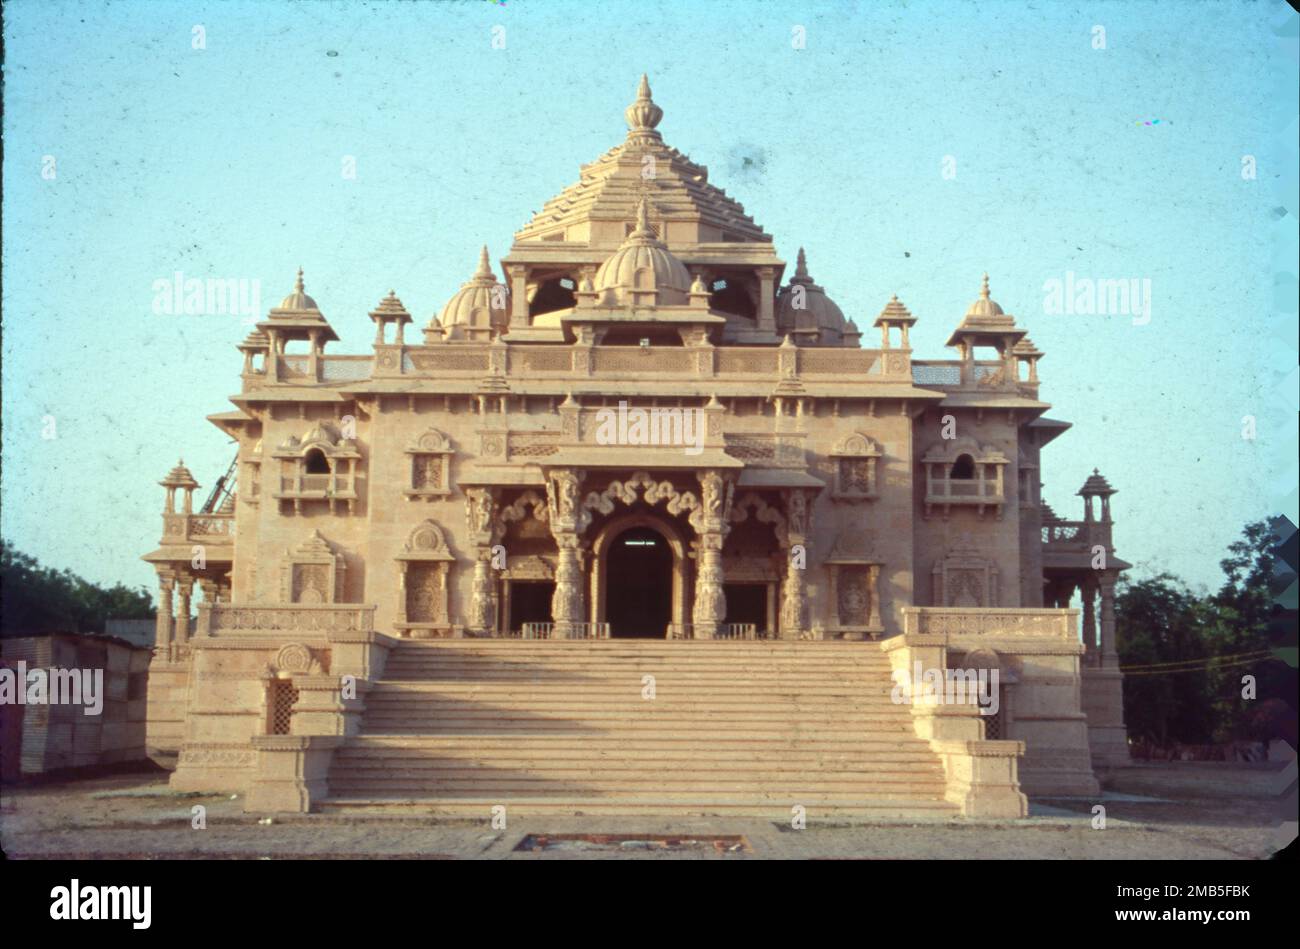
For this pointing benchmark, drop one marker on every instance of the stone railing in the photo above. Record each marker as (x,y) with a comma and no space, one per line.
(225,619)
(1076,535)
(214,529)
(748,631)
(990,622)
(523,360)
(548,631)
(982,374)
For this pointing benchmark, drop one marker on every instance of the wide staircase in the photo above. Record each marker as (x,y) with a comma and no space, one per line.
(567,727)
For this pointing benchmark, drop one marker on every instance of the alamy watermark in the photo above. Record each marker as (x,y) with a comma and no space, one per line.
(631,425)
(178,295)
(1086,296)
(924,686)
(53,687)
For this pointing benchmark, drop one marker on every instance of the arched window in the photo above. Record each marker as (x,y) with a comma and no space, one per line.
(316,463)
(963,468)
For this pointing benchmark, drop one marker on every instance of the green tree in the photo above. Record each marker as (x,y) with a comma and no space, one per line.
(36,599)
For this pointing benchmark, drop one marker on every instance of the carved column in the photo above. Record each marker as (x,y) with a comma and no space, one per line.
(568,521)
(481,515)
(793,609)
(185,588)
(162,637)
(1088,593)
(710,523)
(568,607)
(1109,649)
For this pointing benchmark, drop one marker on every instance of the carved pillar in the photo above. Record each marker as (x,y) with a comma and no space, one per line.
(568,520)
(793,610)
(162,637)
(567,604)
(710,523)
(481,515)
(483,609)
(185,588)
(873,590)
(1088,593)
(1109,649)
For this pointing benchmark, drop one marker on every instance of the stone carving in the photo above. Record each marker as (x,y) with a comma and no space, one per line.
(296,659)
(641,485)
(764,513)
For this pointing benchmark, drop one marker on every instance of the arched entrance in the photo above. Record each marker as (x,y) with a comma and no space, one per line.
(639,583)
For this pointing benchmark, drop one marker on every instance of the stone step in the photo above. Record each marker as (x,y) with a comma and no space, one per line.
(478,806)
(558,744)
(652,769)
(847,791)
(624,703)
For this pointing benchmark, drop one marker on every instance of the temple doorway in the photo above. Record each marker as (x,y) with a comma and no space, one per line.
(530,602)
(747,603)
(639,578)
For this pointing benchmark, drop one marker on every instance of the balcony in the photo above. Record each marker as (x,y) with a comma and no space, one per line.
(214,530)
(333,487)
(980,493)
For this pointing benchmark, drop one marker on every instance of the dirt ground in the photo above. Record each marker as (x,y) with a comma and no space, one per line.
(1166,811)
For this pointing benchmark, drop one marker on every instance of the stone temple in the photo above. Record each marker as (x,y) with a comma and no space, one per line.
(636,525)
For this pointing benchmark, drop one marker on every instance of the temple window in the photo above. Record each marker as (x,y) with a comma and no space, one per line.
(430,456)
(855,457)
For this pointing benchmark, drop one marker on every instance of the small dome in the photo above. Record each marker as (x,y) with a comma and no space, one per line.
(984,307)
(474,307)
(643,264)
(811,311)
(298,300)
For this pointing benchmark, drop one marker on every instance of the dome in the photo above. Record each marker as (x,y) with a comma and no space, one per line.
(480,304)
(808,311)
(643,264)
(298,300)
(984,308)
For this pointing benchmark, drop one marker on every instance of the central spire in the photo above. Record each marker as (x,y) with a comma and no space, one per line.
(643,115)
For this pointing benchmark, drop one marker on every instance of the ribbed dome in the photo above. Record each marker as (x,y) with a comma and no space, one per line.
(643,264)
(815,315)
(472,307)
(298,300)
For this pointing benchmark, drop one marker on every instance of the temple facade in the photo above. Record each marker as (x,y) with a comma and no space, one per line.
(637,425)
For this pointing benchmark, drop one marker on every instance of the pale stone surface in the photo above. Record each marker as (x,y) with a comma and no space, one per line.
(488,480)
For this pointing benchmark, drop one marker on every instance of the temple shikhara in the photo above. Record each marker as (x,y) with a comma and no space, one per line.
(638,522)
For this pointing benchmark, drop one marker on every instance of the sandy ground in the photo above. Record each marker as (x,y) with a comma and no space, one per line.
(1152,812)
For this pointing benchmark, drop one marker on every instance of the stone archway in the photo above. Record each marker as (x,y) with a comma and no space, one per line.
(638,573)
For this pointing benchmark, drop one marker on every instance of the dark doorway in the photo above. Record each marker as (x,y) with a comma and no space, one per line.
(639,585)
(530,602)
(747,603)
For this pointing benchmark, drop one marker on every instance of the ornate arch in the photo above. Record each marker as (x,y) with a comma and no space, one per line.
(764,513)
(641,486)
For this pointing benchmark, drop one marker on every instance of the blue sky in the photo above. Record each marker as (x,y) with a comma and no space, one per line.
(226,162)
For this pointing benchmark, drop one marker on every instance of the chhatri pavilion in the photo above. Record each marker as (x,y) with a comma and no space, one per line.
(636,448)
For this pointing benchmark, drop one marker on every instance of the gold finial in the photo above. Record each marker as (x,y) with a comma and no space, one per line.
(984,288)
(484,264)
